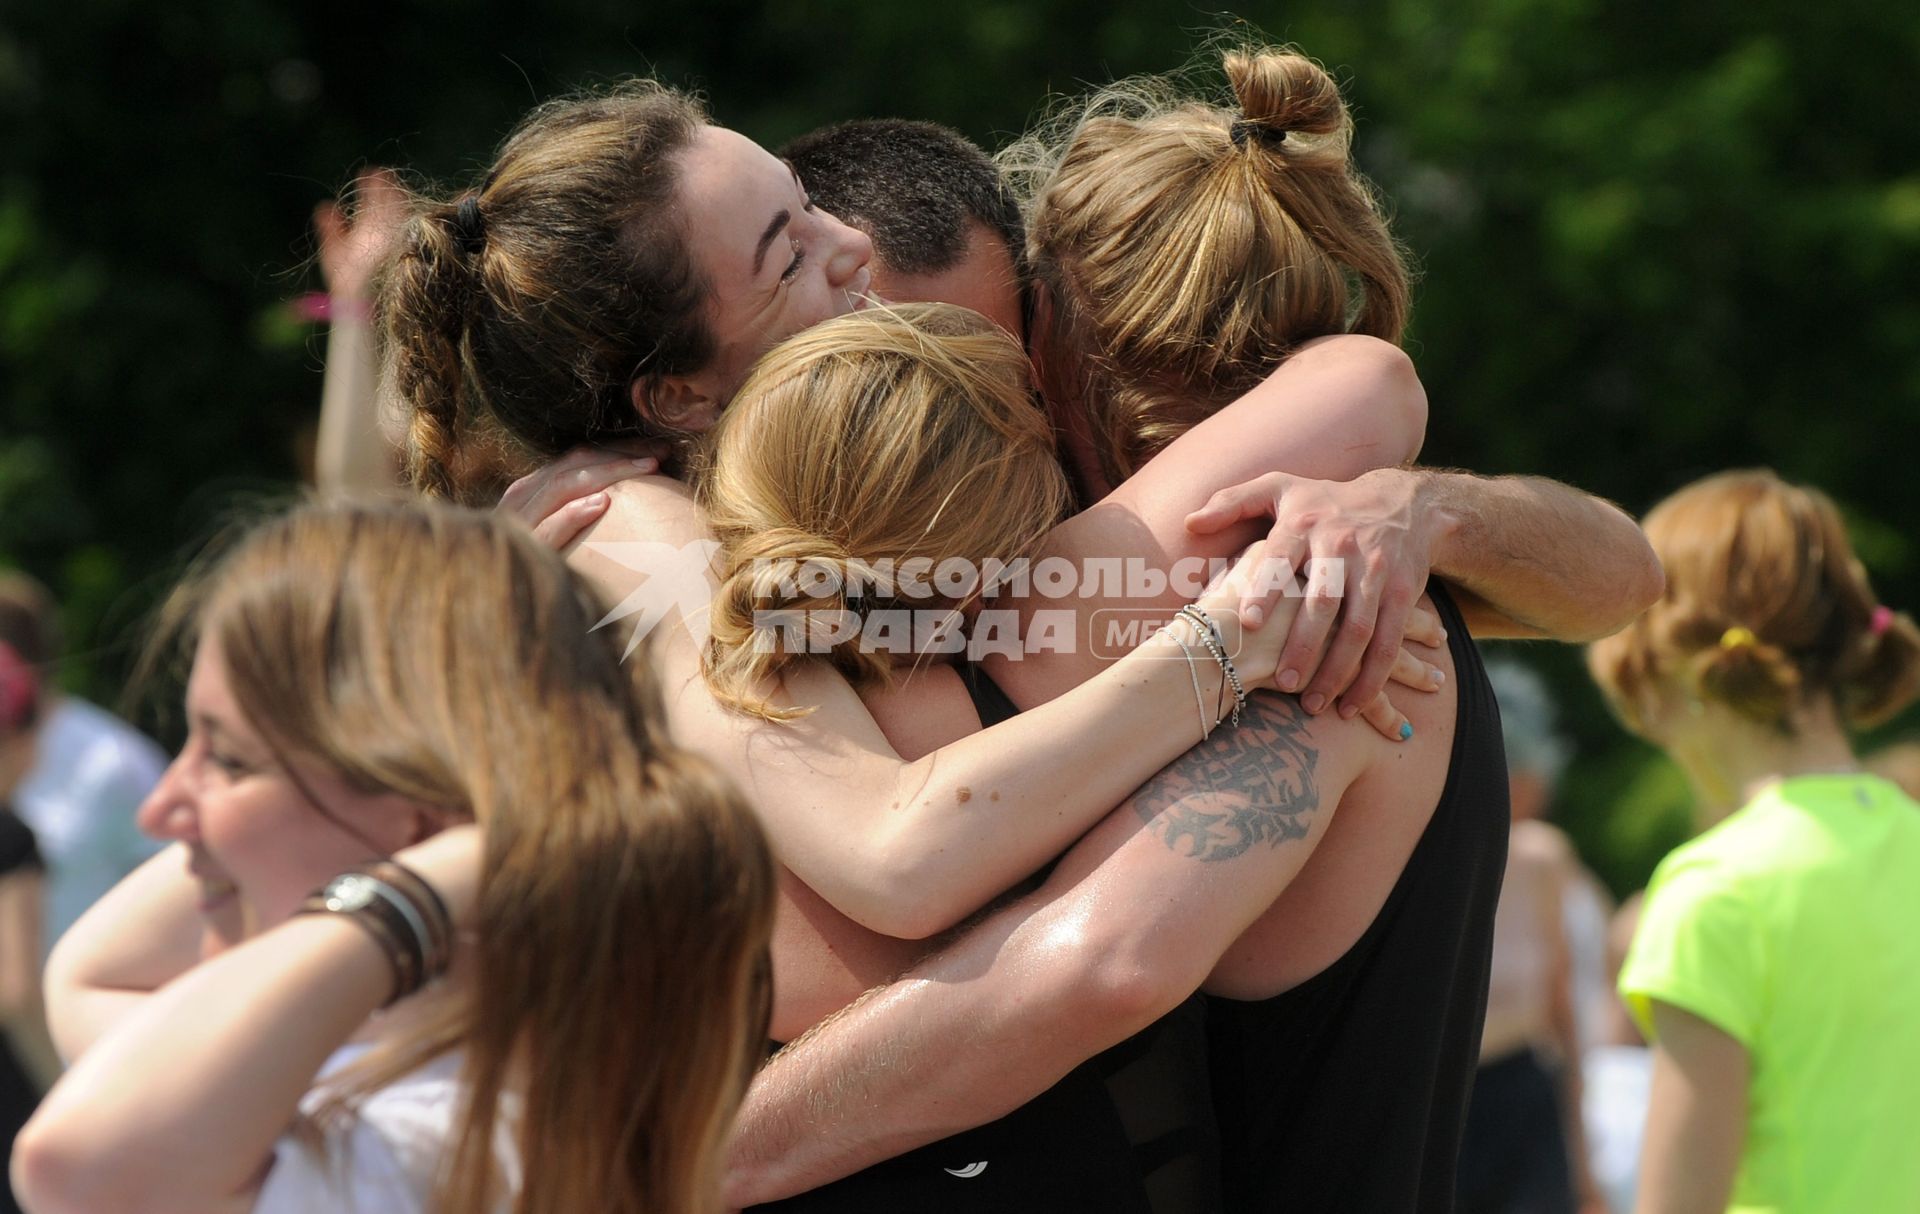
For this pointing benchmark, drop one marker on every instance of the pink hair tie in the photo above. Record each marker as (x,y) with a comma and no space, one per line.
(1881,621)
(19,688)
(320,306)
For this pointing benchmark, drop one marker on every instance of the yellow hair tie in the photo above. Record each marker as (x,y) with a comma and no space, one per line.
(1738,638)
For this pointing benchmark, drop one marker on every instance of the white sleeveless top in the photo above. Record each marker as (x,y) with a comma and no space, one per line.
(384,1157)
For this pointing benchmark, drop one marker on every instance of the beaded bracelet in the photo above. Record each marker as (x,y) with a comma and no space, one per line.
(1216,646)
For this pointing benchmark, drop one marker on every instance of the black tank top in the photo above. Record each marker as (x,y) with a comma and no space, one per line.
(1349,1092)
(1128,1132)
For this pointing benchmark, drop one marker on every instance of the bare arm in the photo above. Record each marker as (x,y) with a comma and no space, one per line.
(910,848)
(1534,558)
(20,893)
(23,1011)
(178,1108)
(1697,1116)
(1564,1026)
(1543,559)
(144,933)
(351,453)
(1132,921)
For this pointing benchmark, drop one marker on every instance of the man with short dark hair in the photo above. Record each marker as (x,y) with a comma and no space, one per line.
(944,225)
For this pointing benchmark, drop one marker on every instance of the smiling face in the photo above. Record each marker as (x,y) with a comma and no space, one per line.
(773,263)
(256,844)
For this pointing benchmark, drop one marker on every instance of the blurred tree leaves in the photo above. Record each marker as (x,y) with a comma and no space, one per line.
(1658,240)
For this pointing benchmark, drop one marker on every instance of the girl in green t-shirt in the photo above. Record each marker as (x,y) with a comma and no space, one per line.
(1776,969)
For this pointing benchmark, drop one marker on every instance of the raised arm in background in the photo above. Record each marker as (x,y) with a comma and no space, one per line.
(351,452)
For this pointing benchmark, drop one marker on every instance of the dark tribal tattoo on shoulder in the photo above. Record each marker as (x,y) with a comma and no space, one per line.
(1254,784)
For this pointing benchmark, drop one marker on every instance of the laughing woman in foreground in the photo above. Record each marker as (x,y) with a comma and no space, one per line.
(447,859)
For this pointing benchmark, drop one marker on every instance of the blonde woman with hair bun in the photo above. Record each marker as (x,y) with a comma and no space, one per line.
(857,449)
(903,435)
(1029,993)
(1775,969)
(1185,249)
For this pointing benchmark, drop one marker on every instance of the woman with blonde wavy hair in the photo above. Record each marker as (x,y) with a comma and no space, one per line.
(442,852)
(857,451)
(1775,969)
(857,448)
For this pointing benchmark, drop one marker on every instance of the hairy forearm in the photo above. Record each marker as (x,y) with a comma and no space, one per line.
(970,1035)
(1545,559)
(1130,923)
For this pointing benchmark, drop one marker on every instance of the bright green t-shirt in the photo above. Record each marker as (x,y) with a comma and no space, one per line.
(1794,926)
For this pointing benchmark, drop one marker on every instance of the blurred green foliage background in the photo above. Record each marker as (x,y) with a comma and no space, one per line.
(1657,239)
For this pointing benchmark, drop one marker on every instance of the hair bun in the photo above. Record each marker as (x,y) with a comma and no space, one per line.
(786,567)
(1282,91)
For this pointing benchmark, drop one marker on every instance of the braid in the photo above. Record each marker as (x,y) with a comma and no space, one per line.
(518,317)
(429,295)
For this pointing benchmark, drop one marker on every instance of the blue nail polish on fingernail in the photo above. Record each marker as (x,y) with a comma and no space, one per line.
(1406,730)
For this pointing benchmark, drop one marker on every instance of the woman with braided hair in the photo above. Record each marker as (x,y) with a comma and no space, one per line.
(580,295)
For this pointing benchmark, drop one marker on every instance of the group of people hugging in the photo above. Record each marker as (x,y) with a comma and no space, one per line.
(504,879)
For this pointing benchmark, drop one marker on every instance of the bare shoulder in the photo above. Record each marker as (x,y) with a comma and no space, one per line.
(646,508)
(650,554)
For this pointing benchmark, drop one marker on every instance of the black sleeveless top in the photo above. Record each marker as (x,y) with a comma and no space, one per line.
(1128,1132)
(1349,1092)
